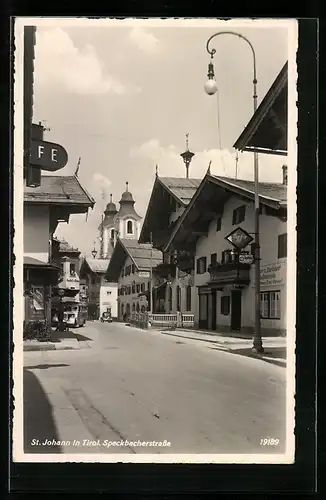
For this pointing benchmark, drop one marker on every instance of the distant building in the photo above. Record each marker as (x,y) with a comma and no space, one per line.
(224,280)
(132,267)
(124,222)
(101,294)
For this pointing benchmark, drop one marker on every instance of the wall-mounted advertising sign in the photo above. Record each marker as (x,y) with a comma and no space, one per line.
(48,155)
(144,274)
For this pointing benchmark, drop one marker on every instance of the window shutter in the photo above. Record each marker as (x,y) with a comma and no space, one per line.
(204,264)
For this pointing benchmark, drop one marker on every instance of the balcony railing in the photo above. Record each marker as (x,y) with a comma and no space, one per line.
(229,273)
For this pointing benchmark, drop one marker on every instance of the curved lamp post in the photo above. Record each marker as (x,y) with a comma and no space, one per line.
(211,88)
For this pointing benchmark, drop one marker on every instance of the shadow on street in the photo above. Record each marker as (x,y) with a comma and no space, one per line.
(57,336)
(44,367)
(39,426)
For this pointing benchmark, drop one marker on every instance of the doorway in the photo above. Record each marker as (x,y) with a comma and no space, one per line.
(203,311)
(236,310)
(213,326)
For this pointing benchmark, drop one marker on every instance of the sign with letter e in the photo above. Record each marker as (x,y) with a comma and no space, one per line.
(48,155)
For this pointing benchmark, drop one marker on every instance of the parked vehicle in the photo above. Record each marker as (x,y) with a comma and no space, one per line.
(106,317)
(75,314)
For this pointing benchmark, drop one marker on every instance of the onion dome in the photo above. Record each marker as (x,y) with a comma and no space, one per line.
(126,197)
(110,207)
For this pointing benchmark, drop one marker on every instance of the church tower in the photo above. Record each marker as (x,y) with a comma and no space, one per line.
(122,223)
(129,221)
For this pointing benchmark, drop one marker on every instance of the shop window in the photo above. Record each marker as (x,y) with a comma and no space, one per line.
(270,305)
(201,265)
(188,298)
(225,305)
(239,215)
(282,246)
(130,228)
(219,224)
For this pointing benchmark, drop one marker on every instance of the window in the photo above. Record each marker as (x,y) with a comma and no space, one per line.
(129,290)
(138,288)
(133,307)
(108,293)
(142,287)
(225,305)
(178,298)
(133,288)
(270,305)
(133,268)
(213,259)
(130,227)
(188,298)
(122,273)
(282,246)
(72,269)
(239,215)
(170,299)
(137,307)
(112,234)
(226,256)
(201,265)
(218,224)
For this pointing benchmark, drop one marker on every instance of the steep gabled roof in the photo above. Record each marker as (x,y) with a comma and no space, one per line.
(159,209)
(266,132)
(98,265)
(59,190)
(209,200)
(141,255)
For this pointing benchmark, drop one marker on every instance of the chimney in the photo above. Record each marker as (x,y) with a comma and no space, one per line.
(285,175)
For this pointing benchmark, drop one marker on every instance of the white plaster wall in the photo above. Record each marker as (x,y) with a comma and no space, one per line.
(270,228)
(109,299)
(36,232)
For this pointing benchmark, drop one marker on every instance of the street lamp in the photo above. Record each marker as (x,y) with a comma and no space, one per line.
(211,88)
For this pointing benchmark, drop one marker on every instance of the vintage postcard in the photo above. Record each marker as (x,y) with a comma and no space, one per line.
(154,215)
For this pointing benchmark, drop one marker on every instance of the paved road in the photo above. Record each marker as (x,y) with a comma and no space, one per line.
(135,385)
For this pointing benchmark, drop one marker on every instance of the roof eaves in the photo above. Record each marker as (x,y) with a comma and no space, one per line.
(262,109)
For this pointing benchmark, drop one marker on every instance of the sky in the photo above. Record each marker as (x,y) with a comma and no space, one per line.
(123,96)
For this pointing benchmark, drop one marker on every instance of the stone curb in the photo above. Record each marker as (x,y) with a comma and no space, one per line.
(45,346)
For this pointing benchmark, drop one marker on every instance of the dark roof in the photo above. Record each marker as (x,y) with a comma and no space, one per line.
(60,190)
(31,262)
(159,209)
(267,190)
(181,188)
(266,132)
(140,254)
(209,201)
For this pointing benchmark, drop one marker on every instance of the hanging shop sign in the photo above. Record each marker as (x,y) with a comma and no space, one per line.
(239,238)
(47,155)
(144,274)
(246,258)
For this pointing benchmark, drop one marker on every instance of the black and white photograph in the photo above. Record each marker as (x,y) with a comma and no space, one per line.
(155,175)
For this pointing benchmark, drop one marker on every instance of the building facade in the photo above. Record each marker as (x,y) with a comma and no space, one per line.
(132,267)
(45,207)
(170,196)
(100,294)
(224,280)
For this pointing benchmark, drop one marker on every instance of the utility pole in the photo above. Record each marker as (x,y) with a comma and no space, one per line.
(150,291)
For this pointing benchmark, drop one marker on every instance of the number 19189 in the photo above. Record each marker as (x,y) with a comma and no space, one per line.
(269,442)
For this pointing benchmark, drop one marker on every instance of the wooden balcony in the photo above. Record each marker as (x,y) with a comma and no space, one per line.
(231,273)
